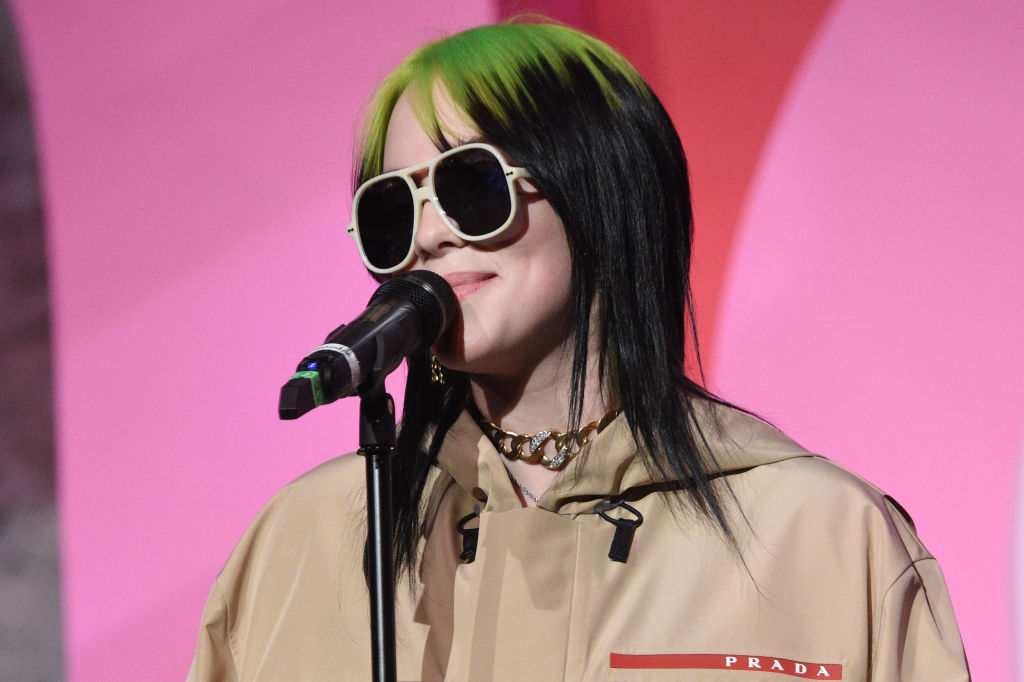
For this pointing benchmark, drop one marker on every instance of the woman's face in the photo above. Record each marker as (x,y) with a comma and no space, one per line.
(513,290)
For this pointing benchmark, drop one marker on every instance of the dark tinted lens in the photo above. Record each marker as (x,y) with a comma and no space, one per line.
(473,191)
(384,215)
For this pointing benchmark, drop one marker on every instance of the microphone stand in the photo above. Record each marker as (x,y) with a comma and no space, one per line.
(406,312)
(377,444)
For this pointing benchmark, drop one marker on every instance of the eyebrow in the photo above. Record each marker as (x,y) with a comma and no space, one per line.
(458,143)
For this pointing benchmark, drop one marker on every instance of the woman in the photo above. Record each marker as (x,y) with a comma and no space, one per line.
(569,505)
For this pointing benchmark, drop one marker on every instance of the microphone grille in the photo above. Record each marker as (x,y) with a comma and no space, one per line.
(429,294)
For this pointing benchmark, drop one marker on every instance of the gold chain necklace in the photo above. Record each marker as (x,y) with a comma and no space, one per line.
(567,443)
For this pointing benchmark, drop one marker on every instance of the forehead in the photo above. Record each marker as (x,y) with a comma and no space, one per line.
(408,144)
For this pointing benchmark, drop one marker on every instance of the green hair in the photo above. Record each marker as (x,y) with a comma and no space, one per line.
(482,69)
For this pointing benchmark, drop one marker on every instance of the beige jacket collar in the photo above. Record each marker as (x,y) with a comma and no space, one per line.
(608,466)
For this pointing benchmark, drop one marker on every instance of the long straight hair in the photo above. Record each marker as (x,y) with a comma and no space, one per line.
(604,151)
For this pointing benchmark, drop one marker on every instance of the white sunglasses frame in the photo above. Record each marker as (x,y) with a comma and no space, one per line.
(426,192)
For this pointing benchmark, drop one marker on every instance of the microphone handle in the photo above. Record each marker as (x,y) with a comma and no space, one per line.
(354,358)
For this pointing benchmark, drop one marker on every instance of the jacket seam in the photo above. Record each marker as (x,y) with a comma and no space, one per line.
(572,601)
(875,643)
(228,627)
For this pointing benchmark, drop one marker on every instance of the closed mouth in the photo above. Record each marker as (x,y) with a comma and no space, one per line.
(465,284)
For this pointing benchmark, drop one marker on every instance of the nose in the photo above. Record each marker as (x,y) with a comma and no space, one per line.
(433,236)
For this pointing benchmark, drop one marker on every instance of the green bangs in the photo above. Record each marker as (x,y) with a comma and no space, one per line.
(483,69)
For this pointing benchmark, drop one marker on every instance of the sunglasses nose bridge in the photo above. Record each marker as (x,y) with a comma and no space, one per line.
(433,228)
(423,193)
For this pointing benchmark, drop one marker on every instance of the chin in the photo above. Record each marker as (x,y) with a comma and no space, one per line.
(466,352)
(472,358)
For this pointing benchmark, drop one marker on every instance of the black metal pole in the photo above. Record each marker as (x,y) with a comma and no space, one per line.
(377,444)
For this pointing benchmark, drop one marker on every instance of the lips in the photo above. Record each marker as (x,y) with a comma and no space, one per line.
(465,284)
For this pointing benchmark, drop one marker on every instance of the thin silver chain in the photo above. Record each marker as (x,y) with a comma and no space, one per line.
(523,488)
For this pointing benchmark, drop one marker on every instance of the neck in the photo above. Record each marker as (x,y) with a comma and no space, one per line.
(539,399)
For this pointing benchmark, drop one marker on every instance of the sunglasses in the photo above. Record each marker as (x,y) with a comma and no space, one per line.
(471,186)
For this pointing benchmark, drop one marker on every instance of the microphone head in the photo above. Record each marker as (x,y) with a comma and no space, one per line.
(429,294)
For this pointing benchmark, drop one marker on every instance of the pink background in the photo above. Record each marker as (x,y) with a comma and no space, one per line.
(874,307)
(195,161)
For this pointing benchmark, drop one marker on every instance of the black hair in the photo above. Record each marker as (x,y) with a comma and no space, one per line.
(606,155)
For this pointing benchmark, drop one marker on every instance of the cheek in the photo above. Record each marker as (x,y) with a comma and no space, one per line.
(555,247)
(550,265)
(558,276)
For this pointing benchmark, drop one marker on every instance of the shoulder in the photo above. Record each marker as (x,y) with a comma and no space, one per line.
(293,583)
(783,488)
(811,496)
(324,490)
(813,533)
(344,472)
(776,476)
(319,513)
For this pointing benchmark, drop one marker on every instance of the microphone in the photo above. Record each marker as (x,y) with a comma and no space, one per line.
(406,314)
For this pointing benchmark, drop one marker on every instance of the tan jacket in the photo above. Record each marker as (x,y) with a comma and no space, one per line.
(833,582)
